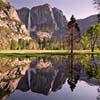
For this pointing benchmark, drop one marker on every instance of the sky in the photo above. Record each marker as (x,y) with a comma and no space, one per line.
(79,8)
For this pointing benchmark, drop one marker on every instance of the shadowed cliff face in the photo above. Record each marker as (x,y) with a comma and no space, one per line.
(60,18)
(46,18)
(23,14)
(42,77)
(43,19)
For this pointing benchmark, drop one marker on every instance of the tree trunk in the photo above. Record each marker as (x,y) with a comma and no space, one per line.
(92,49)
(72,31)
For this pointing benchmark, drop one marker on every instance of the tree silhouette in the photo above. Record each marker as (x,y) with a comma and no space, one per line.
(72,29)
(74,73)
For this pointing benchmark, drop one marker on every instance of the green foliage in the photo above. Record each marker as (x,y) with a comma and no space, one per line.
(93,31)
(84,42)
(32,45)
(90,67)
(27,44)
(98,75)
(4,43)
(84,61)
(53,44)
(98,46)
(93,34)
(14,45)
(6,30)
(21,44)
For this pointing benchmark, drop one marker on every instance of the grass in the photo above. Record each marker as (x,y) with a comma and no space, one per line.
(28,53)
(40,52)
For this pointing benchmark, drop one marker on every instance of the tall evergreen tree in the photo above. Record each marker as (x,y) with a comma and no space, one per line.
(73,29)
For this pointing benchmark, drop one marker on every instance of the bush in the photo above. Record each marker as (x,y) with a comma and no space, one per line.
(14,45)
(21,44)
(4,43)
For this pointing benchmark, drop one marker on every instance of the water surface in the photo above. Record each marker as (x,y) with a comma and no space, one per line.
(55,77)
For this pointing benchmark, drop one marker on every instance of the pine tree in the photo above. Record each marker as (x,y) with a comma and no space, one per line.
(73,28)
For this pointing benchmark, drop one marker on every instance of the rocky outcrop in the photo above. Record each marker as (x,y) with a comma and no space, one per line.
(86,22)
(42,18)
(10,19)
(60,18)
(47,19)
(13,32)
(23,14)
(5,1)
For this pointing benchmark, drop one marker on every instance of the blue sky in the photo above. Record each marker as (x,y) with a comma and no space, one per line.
(80,8)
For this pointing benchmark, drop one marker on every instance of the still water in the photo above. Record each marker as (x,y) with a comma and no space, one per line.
(75,77)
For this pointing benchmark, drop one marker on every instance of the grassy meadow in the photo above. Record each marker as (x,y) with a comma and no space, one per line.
(40,52)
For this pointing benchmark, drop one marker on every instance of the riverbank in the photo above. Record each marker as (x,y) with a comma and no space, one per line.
(50,52)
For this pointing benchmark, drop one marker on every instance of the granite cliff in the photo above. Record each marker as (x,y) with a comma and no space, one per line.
(43,18)
(12,29)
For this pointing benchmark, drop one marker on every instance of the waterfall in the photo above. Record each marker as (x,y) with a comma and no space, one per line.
(29,22)
(30,70)
(29,77)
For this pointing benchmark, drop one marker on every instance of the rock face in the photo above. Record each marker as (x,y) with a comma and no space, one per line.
(23,14)
(86,22)
(9,19)
(42,18)
(12,29)
(46,18)
(5,1)
(60,18)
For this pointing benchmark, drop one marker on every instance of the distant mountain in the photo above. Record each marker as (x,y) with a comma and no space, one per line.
(86,22)
(43,18)
(50,22)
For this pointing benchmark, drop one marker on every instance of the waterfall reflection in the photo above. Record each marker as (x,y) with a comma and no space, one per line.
(47,74)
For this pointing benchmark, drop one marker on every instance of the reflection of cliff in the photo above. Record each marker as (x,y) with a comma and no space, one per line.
(7,87)
(11,71)
(42,75)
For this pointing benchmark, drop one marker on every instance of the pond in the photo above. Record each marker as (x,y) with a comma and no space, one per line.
(69,77)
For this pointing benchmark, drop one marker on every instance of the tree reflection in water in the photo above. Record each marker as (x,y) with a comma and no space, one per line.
(45,75)
(92,67)
(92,71)
(74,72)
